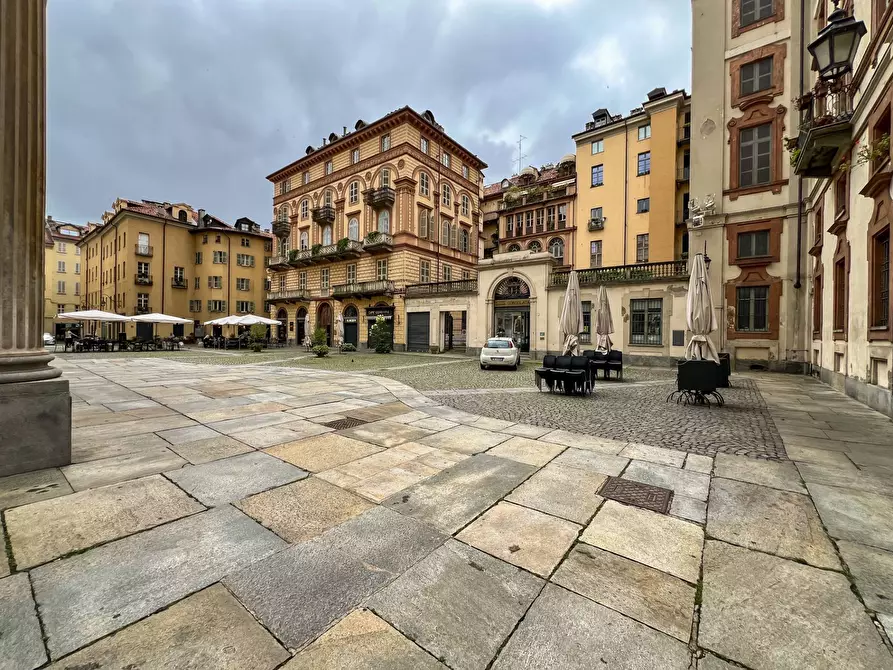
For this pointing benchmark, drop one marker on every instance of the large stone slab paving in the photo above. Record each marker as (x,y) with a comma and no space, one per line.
(765,473)
(587,442)
(645,594)
(682,482)
(363,641)
(188,434)
(664,543)
(21,645)
(689,508)
(591,461)
(339,407)
(455,496)
(644,452)
(526,430)
(886,621)
(711,662)
(564,630)
(568,493)
(860,516)
(433,423)
(465,439)
(699,463)
(230,479)
(209,629)
(106,471)
(303,510)
(30,487)
(210,449)
(4,562)
(323,452)
(522,536)
(126,445)
(87,596)
(385,411)
(45,530)
(386,433)
(525,450)
(298,593)
(872,479)
(770,520)
(252,422)
(820,456)
(236,412)
(768,612)
(873,571)
(458,603)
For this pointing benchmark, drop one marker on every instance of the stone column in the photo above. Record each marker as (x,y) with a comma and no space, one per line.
(35,406)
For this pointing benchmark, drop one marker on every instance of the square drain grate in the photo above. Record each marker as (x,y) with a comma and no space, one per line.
(639,495)
(341,424)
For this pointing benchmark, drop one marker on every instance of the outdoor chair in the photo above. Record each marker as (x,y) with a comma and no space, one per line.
(725,364)
(562,365)
(577,377)
(544,373)
(696,383)
(614,362)
(597,361)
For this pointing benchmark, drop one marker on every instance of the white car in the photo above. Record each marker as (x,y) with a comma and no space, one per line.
(501,351)
(48,339)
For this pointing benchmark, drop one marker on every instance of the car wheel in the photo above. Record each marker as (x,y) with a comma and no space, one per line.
(483,367)
(515,366)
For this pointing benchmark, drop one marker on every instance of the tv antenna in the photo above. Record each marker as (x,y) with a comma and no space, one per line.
(521,156)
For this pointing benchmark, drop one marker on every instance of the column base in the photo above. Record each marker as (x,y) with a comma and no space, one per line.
(35,426)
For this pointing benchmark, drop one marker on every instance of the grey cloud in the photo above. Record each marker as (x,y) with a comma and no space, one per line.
(198,100)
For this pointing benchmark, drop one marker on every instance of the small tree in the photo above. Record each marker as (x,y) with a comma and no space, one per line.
(381,336)
(257,333)
(320,348)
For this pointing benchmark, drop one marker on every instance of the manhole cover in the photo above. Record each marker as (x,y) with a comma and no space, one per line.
(341,424)
(639,495)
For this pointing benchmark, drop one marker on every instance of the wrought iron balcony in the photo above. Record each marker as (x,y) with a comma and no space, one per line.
(380,197)
(442,288)
(641,272)
(324,214)
(143,280)
(826,130)
(277,262)
(596,224)
(299,258)
(281,229)
(145,309)
(292,295)
(179,282)
(143,250)
(684,134)
(378,243)
(683,174)
(366,289)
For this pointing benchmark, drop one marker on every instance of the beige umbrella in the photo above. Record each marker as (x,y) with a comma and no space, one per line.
(339,331)
(571,322)
(307,339)
(699,314)
(604,324)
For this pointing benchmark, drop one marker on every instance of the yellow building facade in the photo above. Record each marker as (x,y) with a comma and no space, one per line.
(366,217)
(161,257)
(62,272)
(632,184)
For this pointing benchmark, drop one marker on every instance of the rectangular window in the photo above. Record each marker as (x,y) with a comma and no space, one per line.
(753,309)
(466,274)
(598,146)
(645,131)
(595,214)
(817,305)
(756,76)
(60,309)
(282,282)
(328,167)
(245,260)
(755,10)
(598,175)
(550,218)
(179,274)
(465,171)
(644,163)
(445,159)
(198,282)
(755,159)
(841,194)
(61,246)
(60,287)
(528,222)
(244,306)
(242,284)
(646,321)
(385,178)
(77,288)
(355,156)
(246,242)
(447,273)
(60,266)
(586,333)
(352,273)
(215,282)
(540,215)
(217,306)
(324,278)
(509,225)
(753,245)
(220,257)
(306,177)
(424,272)
(642,248)
(77,268)
(595,254)
(142,269)
(302,281)
(77,251)
(195,305)
(562,216)
(385,142)
(142,300)
(423,145)
(840,295)
(381,268)
(643,205)
(880,272)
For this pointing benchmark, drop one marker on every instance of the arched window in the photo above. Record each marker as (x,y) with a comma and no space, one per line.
(182,215)
(284,246)
(466,205)
(447,196)
(305,240)
(327,235)
(353,228)
(514,247)
(305,208)
(511,287)
(384,221)
(423,223)
(283,213)
(463,240)
(353,192)
(535,247)
(385,178)
(424,185)
(556,248)
(445,233)
(327,198)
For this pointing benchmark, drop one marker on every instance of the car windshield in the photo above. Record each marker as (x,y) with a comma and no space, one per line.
(499,344)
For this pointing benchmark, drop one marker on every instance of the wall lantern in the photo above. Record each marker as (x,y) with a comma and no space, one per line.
(834,50)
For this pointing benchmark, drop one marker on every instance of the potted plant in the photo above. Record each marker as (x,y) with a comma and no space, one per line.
(342,244)
(315,249)
(373,237)
(320,348)
(380,339)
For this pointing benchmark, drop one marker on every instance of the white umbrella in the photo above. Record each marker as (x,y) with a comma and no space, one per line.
(339,330)
(252,319)
(571,321)
(699,314)
(157,317)
(231,320)
(604,324)
(91,315)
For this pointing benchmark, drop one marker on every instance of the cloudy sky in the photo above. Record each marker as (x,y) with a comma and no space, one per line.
(198,100)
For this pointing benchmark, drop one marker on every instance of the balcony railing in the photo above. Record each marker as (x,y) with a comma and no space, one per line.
(533,198)
(596,224)
(324,214)
(143,250)
(826,130)
(143,280)
(363,289)
(683,174)
(376,242)
(442,288)
(281,228)
(297,295)
(341,249)
(641,272)
(179,282)
(380,197)
(277,262)
(684,133)
(145,309)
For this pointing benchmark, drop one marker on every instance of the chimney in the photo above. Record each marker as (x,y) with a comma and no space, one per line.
(201,218)
(323,141)
(344,131)
(49,217)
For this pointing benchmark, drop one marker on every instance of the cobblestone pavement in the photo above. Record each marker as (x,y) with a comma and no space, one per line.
(218,517)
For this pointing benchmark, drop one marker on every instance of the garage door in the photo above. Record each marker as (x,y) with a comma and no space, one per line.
(417,331)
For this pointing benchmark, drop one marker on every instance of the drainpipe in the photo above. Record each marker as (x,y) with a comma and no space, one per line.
(797,283)
(115,301)
(163,250)
(625,187)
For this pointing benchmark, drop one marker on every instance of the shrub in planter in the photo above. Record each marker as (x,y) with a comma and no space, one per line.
(381,336)
(319,337)
(315,249)
(342,244)
(348,347)
(257,347)
(373,237)
(320,350)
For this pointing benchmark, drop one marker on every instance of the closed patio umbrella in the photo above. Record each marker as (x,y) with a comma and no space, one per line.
(307,338)
(339,331)
(699,314)
(571,321)
(604,324)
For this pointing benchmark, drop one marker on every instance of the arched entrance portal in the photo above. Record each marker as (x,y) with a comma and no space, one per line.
(324,320)
(300,328)
(511,311)
(351,326)
(282,329)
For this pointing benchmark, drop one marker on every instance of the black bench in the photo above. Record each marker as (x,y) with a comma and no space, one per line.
(696,383)
(572,374)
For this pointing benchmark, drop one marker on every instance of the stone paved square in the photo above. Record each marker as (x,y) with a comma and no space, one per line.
(682,482)
(591,461)
(855,515)
(524,450)
(121,468)
(30,487)
(872,569)
(210,449)
(386,433)
(776,475)
(323,452)
(464,439)
(20,636)
(568,493)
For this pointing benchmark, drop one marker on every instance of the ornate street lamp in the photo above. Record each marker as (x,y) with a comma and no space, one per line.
(834,50)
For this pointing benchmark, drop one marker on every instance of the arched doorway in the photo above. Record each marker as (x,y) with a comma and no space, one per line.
(324,320)
(300,330)
(351,325)
(511,311)
(282,329)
